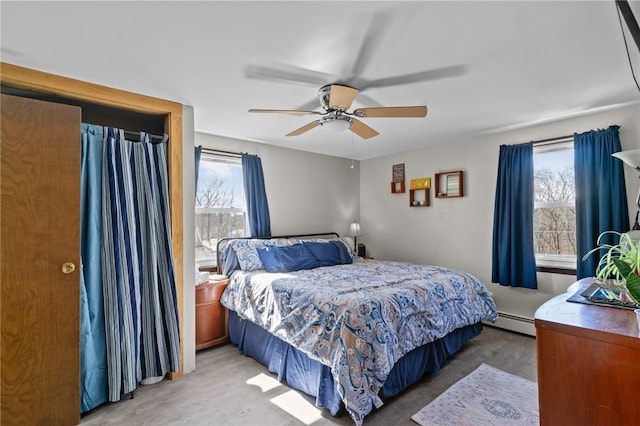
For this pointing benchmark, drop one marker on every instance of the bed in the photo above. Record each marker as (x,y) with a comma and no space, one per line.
(349,331)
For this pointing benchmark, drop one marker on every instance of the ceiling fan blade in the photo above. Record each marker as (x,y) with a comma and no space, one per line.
(404,111)
(287,73)
(367,100)
(304,128)
(377,27)
(285,111)
(341,97)
(312,103)
(362,130)
(416,77)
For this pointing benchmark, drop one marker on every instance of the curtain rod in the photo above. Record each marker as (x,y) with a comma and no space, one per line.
(558,138)
(221,152)
(153,137)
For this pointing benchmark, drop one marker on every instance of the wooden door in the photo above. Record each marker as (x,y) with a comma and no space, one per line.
(40,232)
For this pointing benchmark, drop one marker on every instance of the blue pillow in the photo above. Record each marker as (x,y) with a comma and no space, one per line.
(270,261)
(345,257)
(286,258)
(325,253)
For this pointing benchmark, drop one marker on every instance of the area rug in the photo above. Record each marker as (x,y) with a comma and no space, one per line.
(487,396)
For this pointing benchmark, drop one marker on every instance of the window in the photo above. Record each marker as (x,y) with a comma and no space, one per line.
(220,207)
(554,217)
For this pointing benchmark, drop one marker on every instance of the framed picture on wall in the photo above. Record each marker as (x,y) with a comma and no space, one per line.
(397,172)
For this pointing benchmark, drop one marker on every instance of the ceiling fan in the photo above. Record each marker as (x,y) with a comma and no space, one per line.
(336,99)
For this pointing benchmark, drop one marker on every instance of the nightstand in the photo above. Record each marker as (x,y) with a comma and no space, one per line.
(211,317)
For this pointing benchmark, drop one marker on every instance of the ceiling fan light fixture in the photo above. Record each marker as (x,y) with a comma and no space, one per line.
(336,123)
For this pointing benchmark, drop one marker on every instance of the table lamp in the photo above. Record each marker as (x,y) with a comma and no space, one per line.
(354,231)
(632,159)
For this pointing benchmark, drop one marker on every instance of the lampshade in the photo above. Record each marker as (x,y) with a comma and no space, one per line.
(354,229)
(631,157)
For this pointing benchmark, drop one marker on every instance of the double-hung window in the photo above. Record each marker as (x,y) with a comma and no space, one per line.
(220,206)
(554,217)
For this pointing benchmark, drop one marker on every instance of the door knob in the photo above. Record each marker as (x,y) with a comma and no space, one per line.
(68,267)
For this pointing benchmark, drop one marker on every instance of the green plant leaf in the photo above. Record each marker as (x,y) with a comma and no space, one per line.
(633,285)
(632,281)
(623,267)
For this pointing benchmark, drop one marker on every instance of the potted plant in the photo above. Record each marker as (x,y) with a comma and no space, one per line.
(620,262)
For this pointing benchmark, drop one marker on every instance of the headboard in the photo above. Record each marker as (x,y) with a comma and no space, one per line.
(301,236)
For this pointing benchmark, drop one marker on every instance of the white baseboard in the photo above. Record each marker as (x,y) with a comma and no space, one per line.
(513,322)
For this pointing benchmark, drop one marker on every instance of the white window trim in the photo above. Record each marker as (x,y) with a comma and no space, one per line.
(203,210)
(554,260)
(219,157)
(553,146)
(541,205)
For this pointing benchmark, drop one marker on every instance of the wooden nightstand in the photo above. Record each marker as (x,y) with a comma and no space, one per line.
(211,317)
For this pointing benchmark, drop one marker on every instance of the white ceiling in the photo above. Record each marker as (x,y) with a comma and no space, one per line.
(524,62)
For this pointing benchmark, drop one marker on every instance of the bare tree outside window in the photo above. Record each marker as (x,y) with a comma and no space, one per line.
(554,215)
(220,211)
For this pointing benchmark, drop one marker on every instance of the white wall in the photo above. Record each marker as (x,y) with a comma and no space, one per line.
(458,232)
(189,276)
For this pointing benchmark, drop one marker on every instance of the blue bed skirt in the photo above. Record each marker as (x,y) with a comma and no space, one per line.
(313,378)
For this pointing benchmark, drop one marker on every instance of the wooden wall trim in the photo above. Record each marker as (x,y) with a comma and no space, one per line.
(29,79)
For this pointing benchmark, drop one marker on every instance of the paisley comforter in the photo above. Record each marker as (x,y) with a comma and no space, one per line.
(360,318)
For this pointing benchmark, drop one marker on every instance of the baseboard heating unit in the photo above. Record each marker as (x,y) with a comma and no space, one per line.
(515,322)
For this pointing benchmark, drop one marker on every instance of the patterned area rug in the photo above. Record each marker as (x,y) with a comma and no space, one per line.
(487,396)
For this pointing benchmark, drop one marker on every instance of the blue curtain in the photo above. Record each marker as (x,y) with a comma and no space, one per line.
(140,304)
(129,317)
(198,154)
(513,262)
(601,195)
(93,356)
(256,196)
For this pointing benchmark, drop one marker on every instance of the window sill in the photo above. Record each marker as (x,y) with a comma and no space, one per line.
(556,270)
(555,266)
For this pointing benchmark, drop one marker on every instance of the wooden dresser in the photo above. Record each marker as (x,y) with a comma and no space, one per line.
(588,363)
(211,317)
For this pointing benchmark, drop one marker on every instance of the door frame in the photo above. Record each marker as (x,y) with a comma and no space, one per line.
(42,82)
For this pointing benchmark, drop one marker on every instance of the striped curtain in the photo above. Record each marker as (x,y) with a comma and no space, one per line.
(141,314)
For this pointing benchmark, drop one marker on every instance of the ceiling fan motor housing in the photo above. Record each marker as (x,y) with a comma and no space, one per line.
(323,95)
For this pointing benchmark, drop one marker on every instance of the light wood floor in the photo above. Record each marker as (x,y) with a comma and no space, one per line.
(229,388)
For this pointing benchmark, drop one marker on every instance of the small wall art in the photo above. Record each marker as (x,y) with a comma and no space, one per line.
(449,184)
(397,172)
(397,179)
(420,183)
